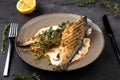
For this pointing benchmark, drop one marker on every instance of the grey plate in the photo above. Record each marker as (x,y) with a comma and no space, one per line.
(32,26)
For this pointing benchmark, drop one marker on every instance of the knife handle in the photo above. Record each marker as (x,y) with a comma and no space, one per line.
(115,47)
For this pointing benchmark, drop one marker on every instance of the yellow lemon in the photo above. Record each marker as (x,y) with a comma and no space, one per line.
(26,6)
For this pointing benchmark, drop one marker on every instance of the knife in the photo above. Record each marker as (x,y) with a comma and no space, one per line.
(109,32)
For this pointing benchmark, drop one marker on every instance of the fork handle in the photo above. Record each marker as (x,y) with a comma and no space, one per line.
(5,73)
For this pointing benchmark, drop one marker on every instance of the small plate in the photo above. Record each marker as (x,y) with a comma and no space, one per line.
(32,26)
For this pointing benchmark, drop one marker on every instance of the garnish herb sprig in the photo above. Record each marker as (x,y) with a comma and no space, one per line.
(79,3)
(4,36)
(34,76)
(112,8)
(86,2)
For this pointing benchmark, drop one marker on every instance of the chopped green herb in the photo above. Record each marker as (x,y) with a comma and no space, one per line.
(4,36)
(39,37)
(48,59)
(63,25)
(58,30)
(42,49)
(37,57)
(49,39)
(50,30)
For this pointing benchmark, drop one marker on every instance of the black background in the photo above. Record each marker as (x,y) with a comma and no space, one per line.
(106,67)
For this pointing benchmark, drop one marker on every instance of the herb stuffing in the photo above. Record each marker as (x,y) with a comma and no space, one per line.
(48,39)
(4,36)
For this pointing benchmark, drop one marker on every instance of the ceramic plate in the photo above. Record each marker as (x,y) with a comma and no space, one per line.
(32,26)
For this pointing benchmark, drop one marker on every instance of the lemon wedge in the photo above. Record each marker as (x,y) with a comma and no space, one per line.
(26,6)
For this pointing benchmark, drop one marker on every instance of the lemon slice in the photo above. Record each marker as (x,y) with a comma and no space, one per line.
(26,6)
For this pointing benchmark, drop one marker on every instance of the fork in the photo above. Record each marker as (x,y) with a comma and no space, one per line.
(12,34)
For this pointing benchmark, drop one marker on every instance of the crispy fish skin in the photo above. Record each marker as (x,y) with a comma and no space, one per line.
(71,37)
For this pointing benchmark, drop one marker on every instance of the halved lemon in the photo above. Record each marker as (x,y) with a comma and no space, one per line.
(26,6)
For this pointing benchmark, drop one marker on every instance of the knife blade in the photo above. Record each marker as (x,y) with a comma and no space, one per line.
(109,32)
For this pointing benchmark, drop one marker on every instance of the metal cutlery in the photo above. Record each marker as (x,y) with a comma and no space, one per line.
(12,35)
(111,35)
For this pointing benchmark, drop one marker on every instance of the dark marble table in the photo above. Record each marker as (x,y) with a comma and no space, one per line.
(106,67)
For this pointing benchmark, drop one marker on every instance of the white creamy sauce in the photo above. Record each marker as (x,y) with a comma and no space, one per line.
(55,51)
(83,51)
(53,56)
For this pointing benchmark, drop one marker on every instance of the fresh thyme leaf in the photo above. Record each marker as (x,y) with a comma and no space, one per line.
(70,3)
(48,59)
(67,22)
(37,57)
(34,76)
(117,9)
(21,77)
(58,30)
(50,30)
(4,36)
(42,48)
(113,8)
(86,2)
(63,25)
(107,5)
(39,37)
(79,3)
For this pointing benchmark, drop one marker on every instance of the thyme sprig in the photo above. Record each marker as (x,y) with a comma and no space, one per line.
(112,8)
(70,3)
(87,2)
(79,3)
(4,36)
(34,76)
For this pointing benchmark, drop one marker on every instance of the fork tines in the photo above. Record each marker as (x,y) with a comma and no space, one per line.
(13,30)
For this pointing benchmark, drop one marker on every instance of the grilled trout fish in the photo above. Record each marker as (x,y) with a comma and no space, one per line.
(72,38)
(68,40)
